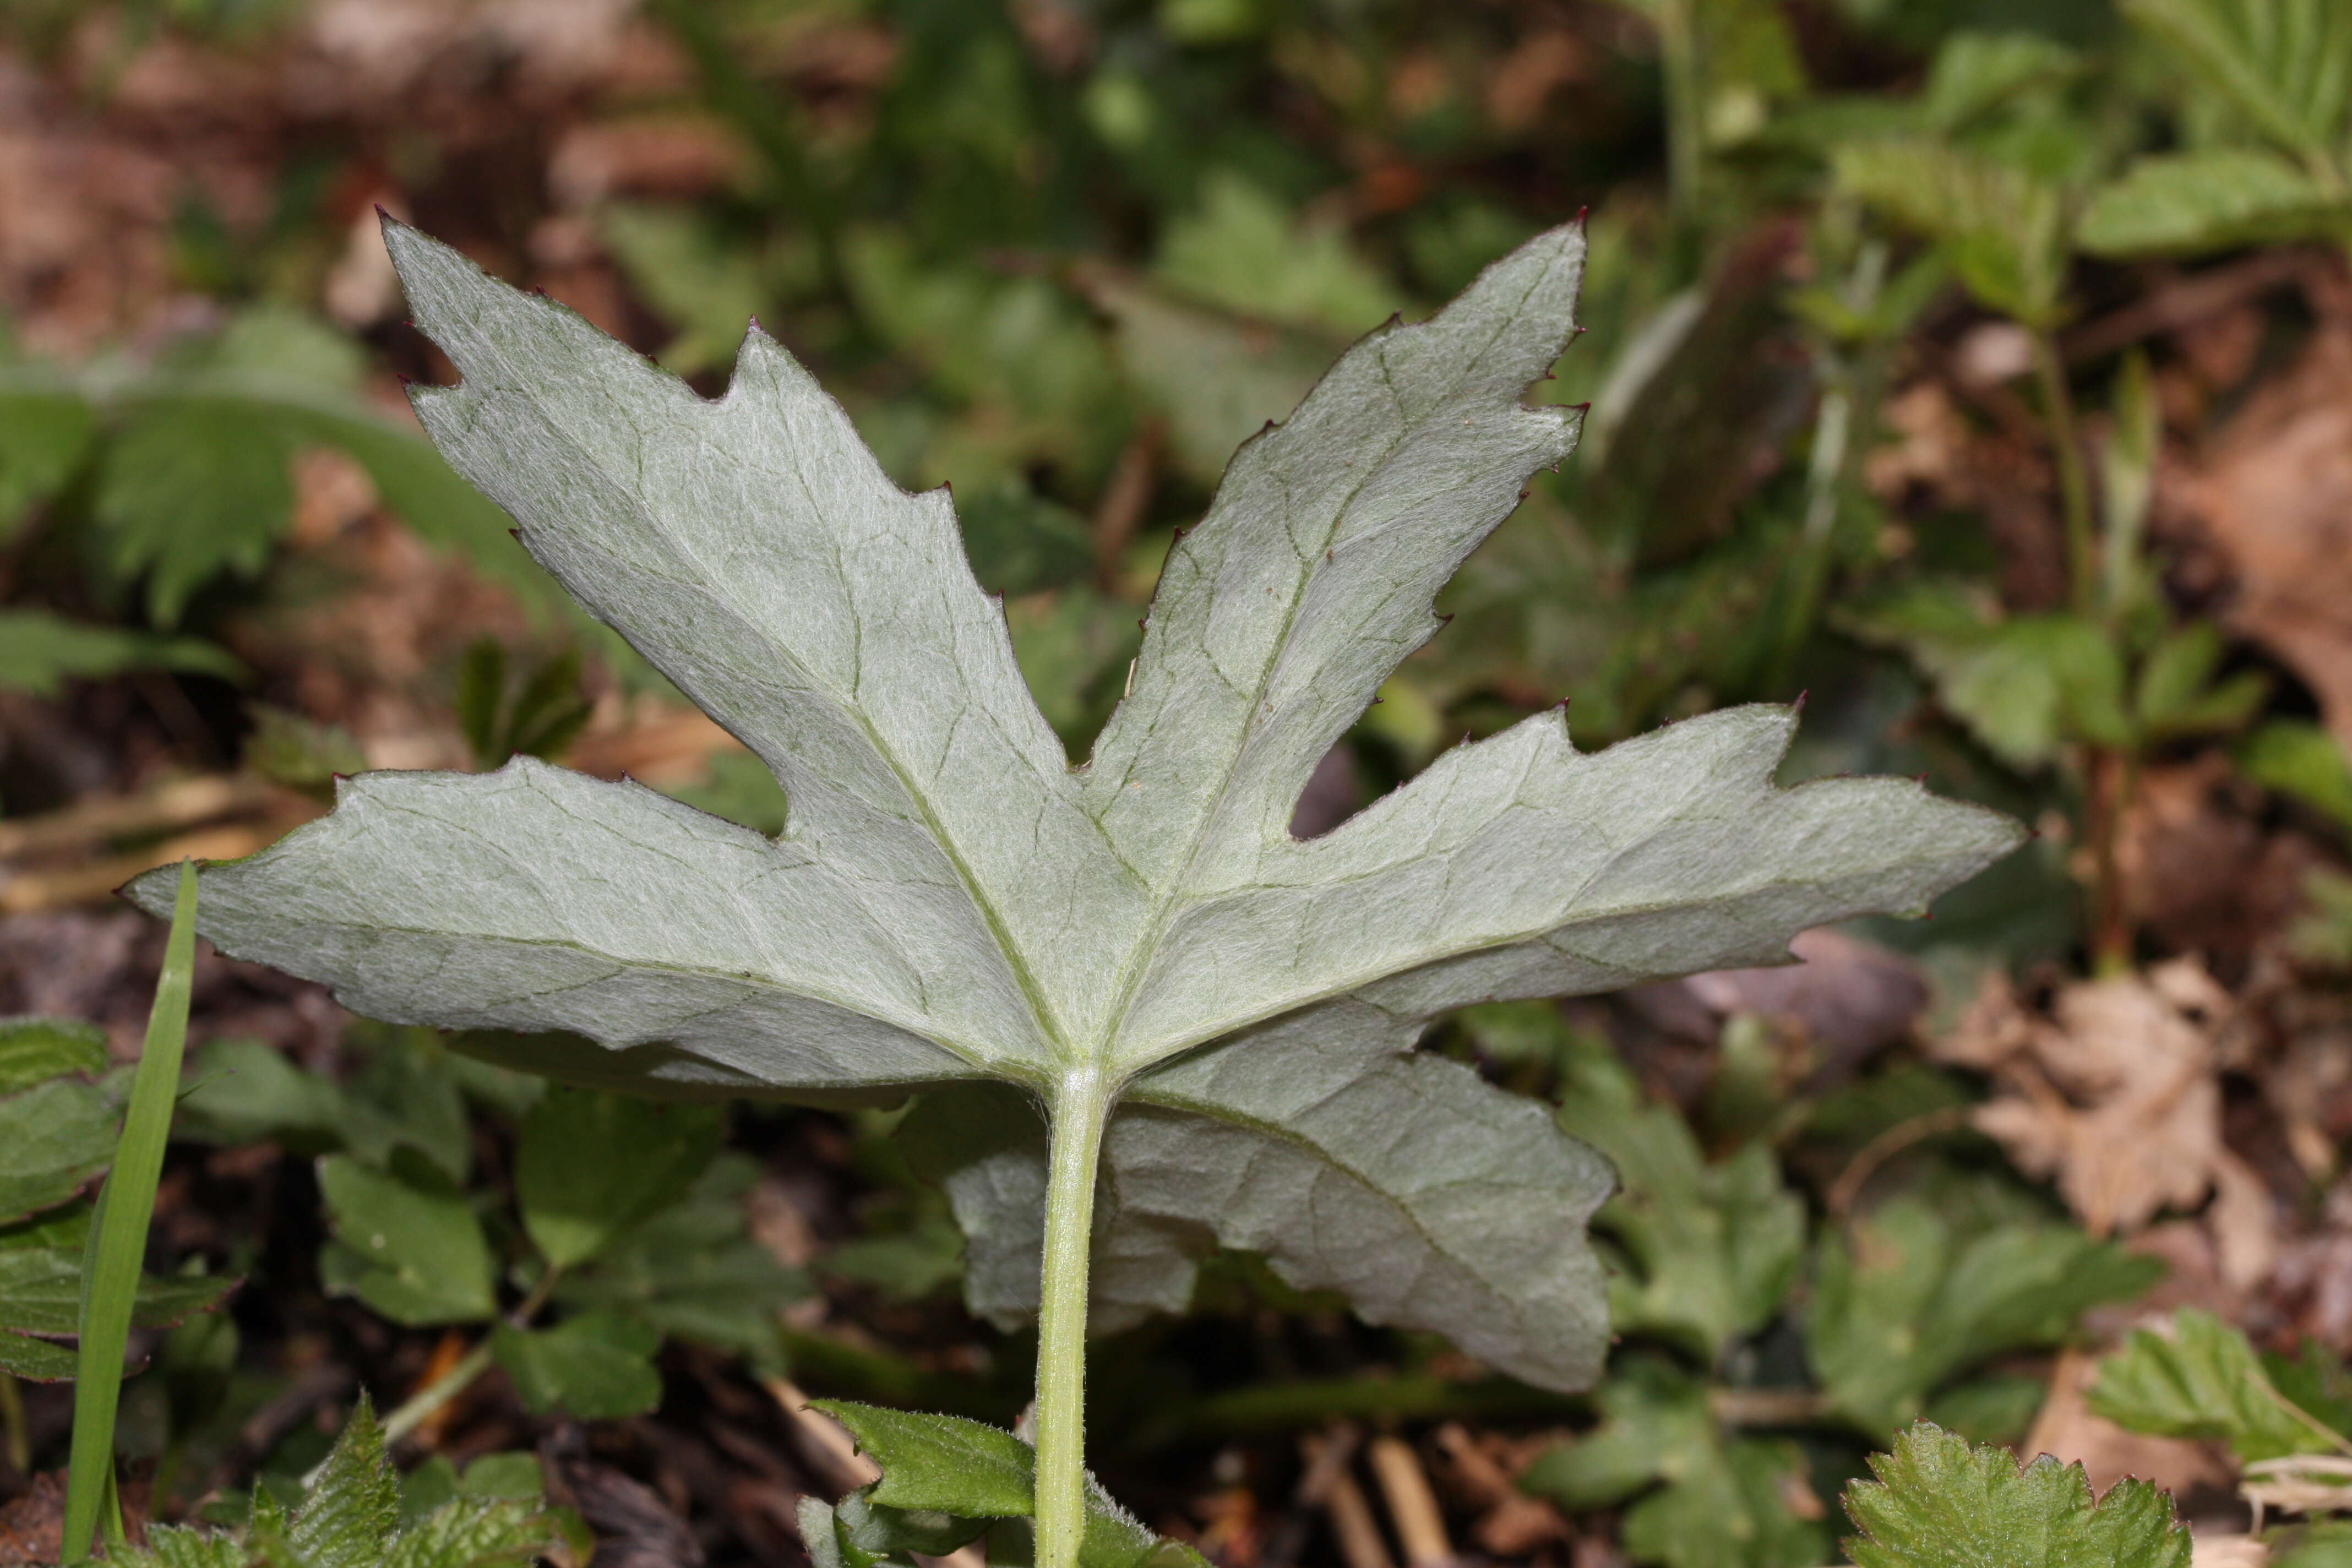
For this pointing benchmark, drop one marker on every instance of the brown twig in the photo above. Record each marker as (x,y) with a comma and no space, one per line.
(824,1443)
(1126,497)
(2182,303)
(177,803)
(1885,1147)
(1412,1505)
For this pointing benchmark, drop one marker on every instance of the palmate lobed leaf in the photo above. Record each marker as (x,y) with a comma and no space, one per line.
(952,904)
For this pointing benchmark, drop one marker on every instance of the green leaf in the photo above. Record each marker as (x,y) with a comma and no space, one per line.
(1713,1247)
(40,652)
(1216,380)
(693,1271)
(589,1167)
(353,1506)
(45,433)
(1974,73)
(37,1361)
(952,903)
(416,1257)
(2003,229)
(41,1289)
(952,1468)
(55,1139)
(1242,250)
(597,1366)
(2300,760)
(2216,198)
(941,1464)
(175,1546)
(1701,1501)
(1905,1304)
(1939,1503)
(2284,65)
(192,487)
(2024,687)
(249,1092)
(2203,1381)
(33,1049)
(474,1532)
(2176,694)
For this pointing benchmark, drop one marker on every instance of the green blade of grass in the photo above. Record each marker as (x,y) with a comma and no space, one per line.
(119,1236)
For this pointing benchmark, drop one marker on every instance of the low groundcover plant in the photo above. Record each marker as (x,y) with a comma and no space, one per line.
(1145,1019)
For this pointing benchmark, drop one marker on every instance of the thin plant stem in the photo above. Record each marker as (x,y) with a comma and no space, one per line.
(15,1437)
(2112,775)
(2115,775)
(1678,48)
(2073,481)
(1081,1106)
(420,1406)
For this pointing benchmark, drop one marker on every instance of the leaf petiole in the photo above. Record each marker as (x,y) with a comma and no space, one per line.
(1081,1106)
(419,1408)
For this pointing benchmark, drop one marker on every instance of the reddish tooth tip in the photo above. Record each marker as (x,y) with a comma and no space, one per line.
(1799,703)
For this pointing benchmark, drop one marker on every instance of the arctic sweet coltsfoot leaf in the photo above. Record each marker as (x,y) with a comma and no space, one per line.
(1139,943)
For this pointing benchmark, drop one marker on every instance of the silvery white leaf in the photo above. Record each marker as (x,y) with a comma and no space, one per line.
(950,904)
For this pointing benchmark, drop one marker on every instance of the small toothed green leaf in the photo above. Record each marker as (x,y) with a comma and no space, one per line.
(353,1506)
(2204,1381)
(1939,1502)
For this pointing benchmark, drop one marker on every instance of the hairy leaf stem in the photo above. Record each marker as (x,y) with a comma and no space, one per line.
(1081,1106)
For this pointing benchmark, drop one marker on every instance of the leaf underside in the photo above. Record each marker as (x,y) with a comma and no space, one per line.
(952,904)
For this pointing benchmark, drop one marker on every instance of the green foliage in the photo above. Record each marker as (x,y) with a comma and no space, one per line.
(2302,761)
(626,1214)
(636,1225)
(517,714)
(2002,229)
(2204,1381)
(1940,1503)
(1906,1303)
(2218,198)
(534,365)
(2029,686)
(1713,1247)
(596,1364)
(353,1517)
(1698,1498)
(416,1254)
(2275,73)
(577,1198)
(180,473)
(39,652)
(944,1480)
